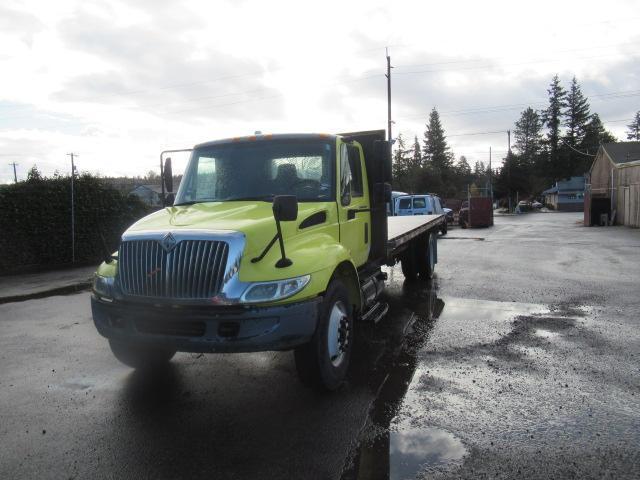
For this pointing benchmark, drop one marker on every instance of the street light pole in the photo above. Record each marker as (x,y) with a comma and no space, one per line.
(73,212)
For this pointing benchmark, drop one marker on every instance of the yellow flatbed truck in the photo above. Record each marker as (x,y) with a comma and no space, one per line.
(273,242)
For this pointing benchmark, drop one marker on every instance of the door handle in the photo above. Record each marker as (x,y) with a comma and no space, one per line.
(351,213)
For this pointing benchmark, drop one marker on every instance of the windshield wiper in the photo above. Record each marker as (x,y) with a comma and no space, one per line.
(264,198)
(193,202)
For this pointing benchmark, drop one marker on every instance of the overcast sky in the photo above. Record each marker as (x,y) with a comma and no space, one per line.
(117,81)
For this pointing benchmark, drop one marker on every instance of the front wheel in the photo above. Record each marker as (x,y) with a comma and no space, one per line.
(141,356)
(324,361)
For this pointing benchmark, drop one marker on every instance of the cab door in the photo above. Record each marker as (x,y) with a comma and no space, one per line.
(404,206)
(353,203)
(420,206)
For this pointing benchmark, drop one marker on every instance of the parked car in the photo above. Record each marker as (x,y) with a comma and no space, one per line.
(524,205)
(448,213)
(536,204)
(426,204)
(391,206)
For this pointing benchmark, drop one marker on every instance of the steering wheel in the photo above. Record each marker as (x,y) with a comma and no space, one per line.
(306,184)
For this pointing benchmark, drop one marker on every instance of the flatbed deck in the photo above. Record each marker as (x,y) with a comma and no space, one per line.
(401,229)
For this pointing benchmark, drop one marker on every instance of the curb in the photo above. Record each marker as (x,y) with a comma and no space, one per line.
(67,289)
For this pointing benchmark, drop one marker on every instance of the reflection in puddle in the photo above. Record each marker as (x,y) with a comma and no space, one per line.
(540,332)
(390,448)
(414,450)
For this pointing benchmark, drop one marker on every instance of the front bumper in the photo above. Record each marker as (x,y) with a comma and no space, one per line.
(208,328)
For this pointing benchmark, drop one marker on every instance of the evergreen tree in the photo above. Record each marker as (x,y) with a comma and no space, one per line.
(577,114)
(528,136)
(416,160)
(479,170)
(552,119)
(436,151)
(577,117)
(595,135)
(401,165)
(634,128)
(463,167)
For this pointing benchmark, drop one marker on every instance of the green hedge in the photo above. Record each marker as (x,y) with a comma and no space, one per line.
(35,221)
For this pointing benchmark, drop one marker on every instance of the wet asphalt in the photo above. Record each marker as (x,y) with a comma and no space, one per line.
(520,360)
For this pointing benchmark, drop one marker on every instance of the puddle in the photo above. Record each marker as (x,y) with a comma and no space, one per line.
(540,332)
(416,450)
(390,448)
(399,439)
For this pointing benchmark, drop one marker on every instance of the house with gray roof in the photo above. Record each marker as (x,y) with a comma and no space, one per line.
(566,195)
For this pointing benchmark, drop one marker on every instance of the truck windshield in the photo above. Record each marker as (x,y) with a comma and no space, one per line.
(259,170)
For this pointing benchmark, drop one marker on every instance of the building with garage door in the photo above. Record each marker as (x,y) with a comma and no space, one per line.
(612,194)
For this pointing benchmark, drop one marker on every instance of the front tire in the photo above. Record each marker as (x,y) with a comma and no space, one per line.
(141,357)
(324,361)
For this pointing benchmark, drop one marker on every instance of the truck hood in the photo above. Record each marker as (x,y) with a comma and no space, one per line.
(254,219)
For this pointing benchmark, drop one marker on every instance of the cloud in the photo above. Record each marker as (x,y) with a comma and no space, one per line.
(119,81)
(21,24)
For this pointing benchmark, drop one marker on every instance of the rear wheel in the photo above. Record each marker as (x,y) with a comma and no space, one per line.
(444,228)
(426,256)
(141,356)
(408,262)
(323,363)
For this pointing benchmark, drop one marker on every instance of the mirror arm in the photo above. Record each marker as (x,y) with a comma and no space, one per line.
(284,261)
(266,250)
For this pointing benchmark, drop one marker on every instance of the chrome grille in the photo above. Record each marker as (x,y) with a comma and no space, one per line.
(193,269)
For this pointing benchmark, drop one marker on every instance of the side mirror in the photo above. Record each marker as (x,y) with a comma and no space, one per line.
(285,208)
(345,198)
(168,175)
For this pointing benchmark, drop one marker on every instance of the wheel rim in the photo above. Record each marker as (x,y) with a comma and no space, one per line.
(338,334)
(431,259)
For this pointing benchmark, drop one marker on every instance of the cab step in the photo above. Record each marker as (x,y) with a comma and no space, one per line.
(375,313)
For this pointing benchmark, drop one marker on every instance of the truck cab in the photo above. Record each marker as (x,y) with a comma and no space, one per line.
(273,242)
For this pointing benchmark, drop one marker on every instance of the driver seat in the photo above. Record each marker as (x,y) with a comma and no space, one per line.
(286,178)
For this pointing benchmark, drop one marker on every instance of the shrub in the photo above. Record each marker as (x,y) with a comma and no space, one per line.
(35,220)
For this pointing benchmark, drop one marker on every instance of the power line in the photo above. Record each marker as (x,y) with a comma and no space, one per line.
(575,150)
(602,97)
(453,62)
(493,66)
(475,133)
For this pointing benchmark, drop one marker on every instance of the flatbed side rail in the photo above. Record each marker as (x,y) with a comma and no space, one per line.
(399,241)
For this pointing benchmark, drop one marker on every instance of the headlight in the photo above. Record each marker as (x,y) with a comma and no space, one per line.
(103,286)
(272,291)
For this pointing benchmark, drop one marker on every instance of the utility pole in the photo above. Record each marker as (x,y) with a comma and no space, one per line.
(490,179)
(388,75)
(15,177)
(509,167)
(491,185)
(73,212)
